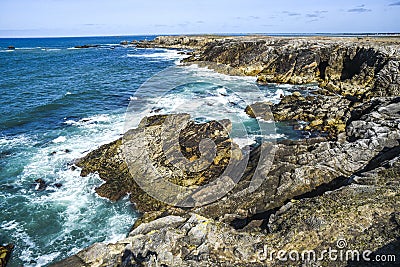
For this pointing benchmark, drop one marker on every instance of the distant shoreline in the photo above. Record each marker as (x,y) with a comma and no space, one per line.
(380,34)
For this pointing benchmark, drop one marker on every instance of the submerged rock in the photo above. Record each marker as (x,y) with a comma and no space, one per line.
(40,184)
(86,46)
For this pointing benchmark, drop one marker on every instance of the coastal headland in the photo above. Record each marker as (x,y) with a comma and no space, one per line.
(338,190)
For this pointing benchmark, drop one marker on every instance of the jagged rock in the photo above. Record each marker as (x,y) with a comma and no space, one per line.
(5,254)
(109,160)
(40,184)
(86,46)
(360,214)
(261,109)
(327,114)
(180,42)
(298,167)
(364,217)
(312,191)
(145,228)
(196,241)
(340,65)
(367,67)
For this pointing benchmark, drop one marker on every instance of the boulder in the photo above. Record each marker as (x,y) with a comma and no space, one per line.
(40,184)
(110,161)
(86,46)
(5,254)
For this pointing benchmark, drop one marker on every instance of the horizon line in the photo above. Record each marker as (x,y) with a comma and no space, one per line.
(197,34)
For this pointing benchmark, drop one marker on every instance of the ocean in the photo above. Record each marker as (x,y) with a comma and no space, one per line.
(57,103)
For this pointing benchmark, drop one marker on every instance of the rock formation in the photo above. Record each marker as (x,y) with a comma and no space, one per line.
(341,186)
(344,66)
(5,254)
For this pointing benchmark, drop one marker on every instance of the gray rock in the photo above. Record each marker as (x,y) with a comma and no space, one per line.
(168,221)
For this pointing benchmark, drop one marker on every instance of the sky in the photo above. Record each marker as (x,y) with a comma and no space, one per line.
(43,18)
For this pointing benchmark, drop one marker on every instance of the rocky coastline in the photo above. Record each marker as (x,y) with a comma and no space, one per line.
(343,185)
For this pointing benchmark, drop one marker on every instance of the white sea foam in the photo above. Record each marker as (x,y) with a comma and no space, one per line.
(11,225)
(27,48)
(16,141)
(242,142)
(262,120)
(51,49)
(222,91)
(76,201)
(19,233)
(271,136)
(196,70)
(284,85)
(165,54)
(60,139)
(276,98)
(214,98)
(102,118)
(45,259)
(279,93)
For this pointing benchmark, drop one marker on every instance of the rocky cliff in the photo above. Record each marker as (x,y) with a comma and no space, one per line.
(342,186)
(362,67)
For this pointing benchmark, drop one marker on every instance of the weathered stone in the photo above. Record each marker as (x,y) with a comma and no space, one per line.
(160,151)
(340,65)
(5,254)
(170,221)
(312,192)
(261,110)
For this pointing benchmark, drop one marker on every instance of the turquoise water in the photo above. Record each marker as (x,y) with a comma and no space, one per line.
(56,104)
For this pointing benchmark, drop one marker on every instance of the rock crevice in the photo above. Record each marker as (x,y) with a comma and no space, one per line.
(343,184)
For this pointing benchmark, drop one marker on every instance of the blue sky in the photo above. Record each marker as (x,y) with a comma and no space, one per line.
(136,17)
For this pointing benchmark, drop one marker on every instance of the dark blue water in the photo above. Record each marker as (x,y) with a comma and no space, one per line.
(56,104)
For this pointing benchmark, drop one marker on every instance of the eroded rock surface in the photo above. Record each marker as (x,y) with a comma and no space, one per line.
(341,186)
(364,68)
(177,157)
(5,254)
(364,215)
